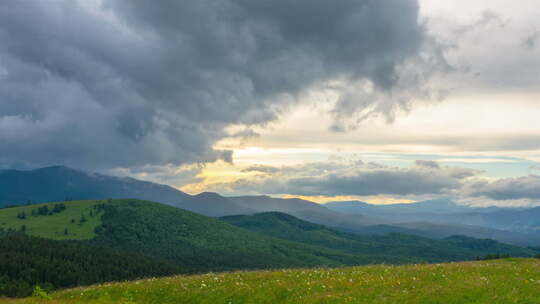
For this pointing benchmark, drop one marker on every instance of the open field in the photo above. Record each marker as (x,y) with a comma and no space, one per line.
(496,281)
(54,226)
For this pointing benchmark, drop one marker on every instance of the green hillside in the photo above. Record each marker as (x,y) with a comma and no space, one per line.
(206,244)
(489,282)
(197,242)
(284,226)
(76,222)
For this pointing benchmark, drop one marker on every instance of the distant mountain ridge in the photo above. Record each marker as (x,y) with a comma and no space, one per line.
(284,226)
(437,218)
(305,210)
(430,206)
(58,183)
(444,215)
(213,204)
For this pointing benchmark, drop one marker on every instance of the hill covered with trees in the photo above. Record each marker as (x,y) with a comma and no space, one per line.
(455,248)
(91,235)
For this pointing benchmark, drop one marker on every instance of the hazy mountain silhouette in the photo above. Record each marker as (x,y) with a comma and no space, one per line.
(60,183)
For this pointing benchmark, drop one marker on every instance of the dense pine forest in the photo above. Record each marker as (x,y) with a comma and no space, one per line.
(26,262)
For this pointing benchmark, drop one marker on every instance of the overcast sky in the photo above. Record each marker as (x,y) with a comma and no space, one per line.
(384,101)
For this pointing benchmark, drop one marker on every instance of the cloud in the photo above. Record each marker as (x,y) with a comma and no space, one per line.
(425,179)
(131,83)
(261,169)
(491,52)
(531,40)
(525,187)
(487,18)
(168,174)
(428,164)
(355,178)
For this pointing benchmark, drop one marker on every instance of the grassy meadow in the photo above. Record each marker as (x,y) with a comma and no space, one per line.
(54,226)
(495,281)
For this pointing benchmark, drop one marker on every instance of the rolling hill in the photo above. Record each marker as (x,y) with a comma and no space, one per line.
(444,230)
(385,219)
(284,226)
(198,242)
(305,210)
(195,243)
(436,219)
(442,218)
(204,243)
(80,238)
(494,282)
(76,222)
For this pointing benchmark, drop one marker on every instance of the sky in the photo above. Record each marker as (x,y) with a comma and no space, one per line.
(380,101)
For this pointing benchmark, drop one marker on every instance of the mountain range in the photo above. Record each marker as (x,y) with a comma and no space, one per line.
(436,218)
(69,244)
(438,214)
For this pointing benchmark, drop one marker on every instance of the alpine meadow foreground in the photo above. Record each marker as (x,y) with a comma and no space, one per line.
(495,281)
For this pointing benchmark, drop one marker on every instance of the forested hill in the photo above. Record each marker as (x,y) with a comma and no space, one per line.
(196,243)
(284,226)
(98,241)
(207,244)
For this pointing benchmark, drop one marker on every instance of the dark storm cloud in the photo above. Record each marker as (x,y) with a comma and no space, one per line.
(135,83)
(335,179)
